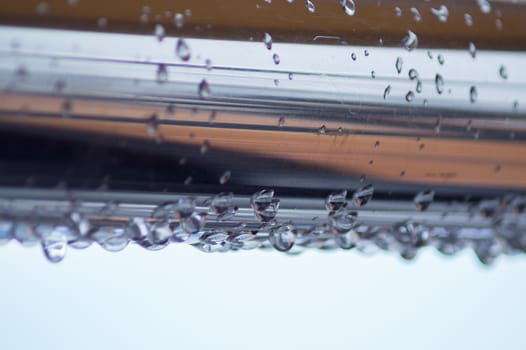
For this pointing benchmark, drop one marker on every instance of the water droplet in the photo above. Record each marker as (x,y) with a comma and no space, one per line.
(281,121)
(321,130)
(223,206)
(54,244)
(193,224)
(265,205)
(102,22)
(441,13)
(336,201)
(440,59)
(468,19)
(67,107)
(42,8)
(342,220)
(310,6)
(413,74)
(472,94)
(387,91)
(424,199)
(203,89)
(348,6)
(353,56)
(162,74)
(25,234)
(472,50)
(152,125)
(498,24)
(208,64)
(179,20)
(439,83)
(416,14)
(484,6)
(409,96)
(291,76)
(6,231)
(410,41)
(377,144)
(487,250)
(503,72)
(225,177)
(182,50)
(365,53)
(275,58)
(282,238)
(398,11)
(159,32)
(399,64)
(429,54)
(363,195)
(347,240)
(267,40)
(112,239)
(204,147)
(412,234)
(418,86)
(373,74)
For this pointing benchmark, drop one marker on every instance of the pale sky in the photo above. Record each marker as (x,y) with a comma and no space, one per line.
(181,298)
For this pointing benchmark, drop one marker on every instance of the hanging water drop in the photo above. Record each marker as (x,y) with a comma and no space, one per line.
(321,130)
(282,238)
(152,125)
(413,74)
(439,83)
(409,96)
(424,199)
(363,195)
(441,13)
(54,245)
(204,147)
(342,220)
(373,74)
(440,59)
(353,56)
(348,6)
(182,50)
(398,11)
(410,41)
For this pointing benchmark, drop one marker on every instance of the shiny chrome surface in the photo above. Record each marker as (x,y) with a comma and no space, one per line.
(142,119)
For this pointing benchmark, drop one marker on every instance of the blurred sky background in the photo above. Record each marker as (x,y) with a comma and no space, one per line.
(182,298)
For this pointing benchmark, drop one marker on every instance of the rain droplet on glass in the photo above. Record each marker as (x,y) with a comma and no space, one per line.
(416,14)
(413,74)
(441,13)
(203,89)
(159,32)
(182,50)
(310,6)
(336,201)
(473,94)
(265,206)
(439,83)
(267,40)
(348,6)
(399,64)
(484,6)
(468,19)
(387,91)
(179,20)
(282,238)
(275,58)
(424,199)
(363,195)
(410,41)
(503,72)
(409,96)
